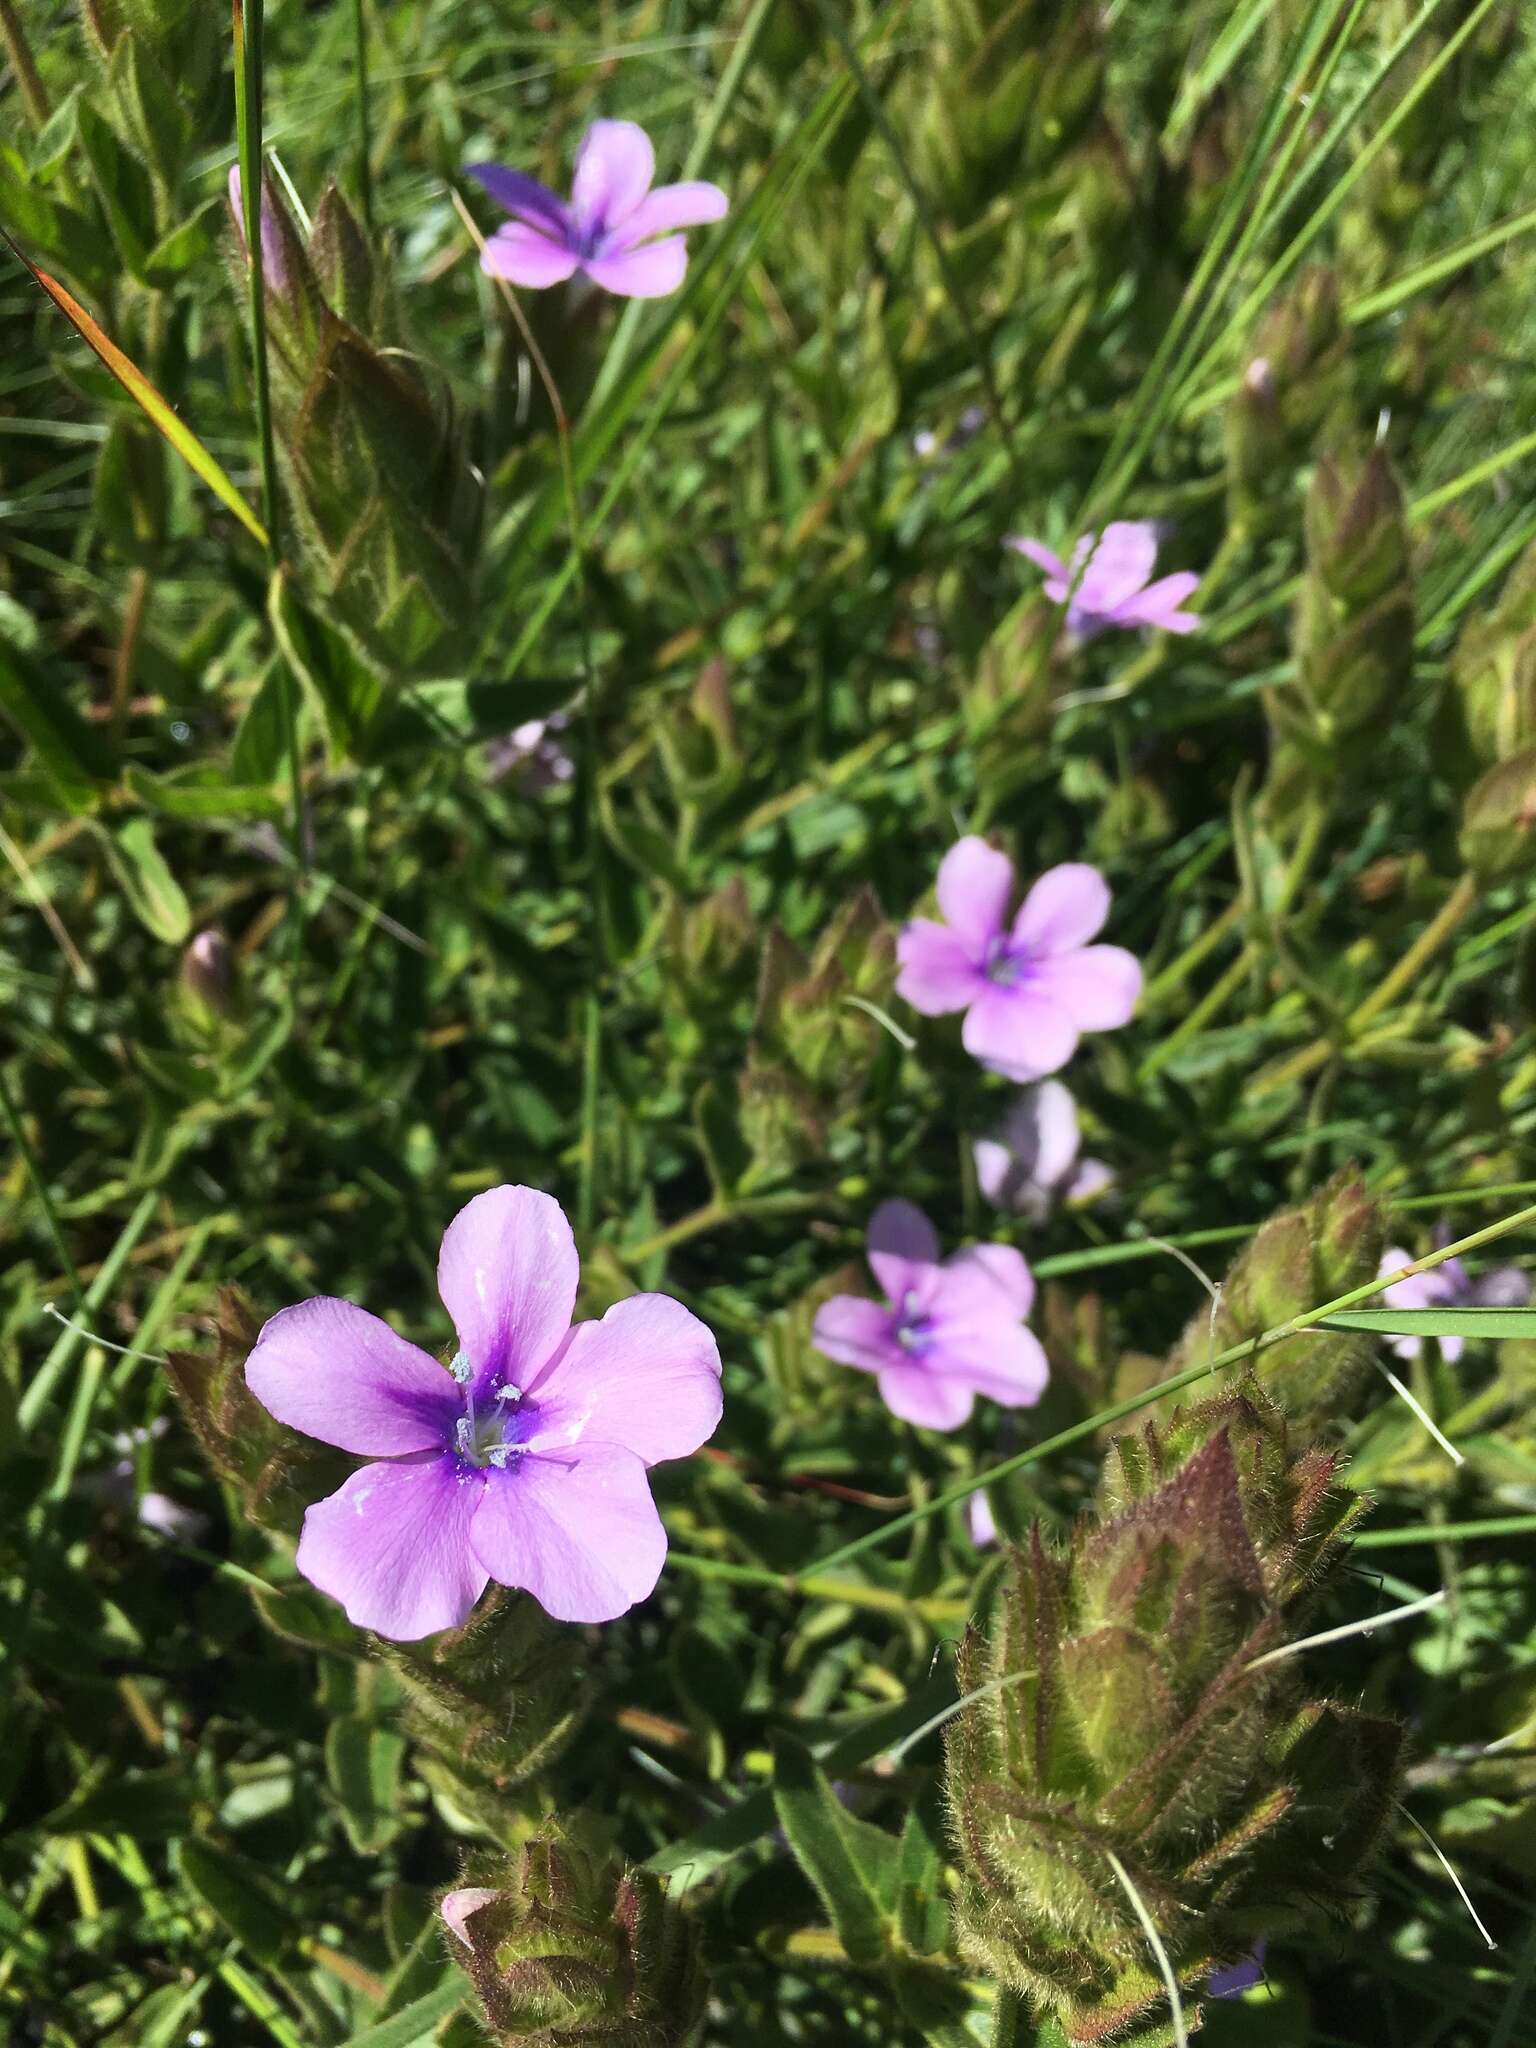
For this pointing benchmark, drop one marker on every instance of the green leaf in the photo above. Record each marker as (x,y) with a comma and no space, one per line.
(1435,1322)
(835,1850)
(199,791)
(75,758)
(362,1763)
(124,187)
(186,246)
(241,1896)
(144,395)
(347,690)
(301,1615)
(154,893)
(148,1805)
(261,739)
(415,2023)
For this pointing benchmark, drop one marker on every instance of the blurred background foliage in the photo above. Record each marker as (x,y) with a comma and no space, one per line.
(545,811)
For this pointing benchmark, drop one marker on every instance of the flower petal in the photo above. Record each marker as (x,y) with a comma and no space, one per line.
(1098,987)
(458,1906)
(1018,1033)
(1121,563)
(522,255)
(1064,910)
(998,1358)
(975,883)
(507,1273)
(1042,557)
(985,1280)
(647,1377)
(393,1546)
(342,1375)
(521,196)
(903,1250)
(669,207)
(575,1528)
(649,272)
(856,1332)
(937,974)
(614,168)
(1158,605)
(923,1397)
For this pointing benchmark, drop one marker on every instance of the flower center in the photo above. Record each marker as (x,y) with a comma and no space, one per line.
(480,1435)
(913,1331)
(1006,965)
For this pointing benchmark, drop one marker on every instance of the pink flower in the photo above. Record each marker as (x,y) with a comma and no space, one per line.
(524,1461)
(945,1333)
(1031,1162)
(1448,1285)
(1029,989)
(1114,586)
(610,227)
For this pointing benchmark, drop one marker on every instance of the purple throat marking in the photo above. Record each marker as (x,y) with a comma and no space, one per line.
(485,1436)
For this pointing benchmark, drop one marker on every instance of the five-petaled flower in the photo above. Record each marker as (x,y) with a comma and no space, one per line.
(609,228)
(524,1461)
(1107,581)
(1448,1285)
(1031,1162)
(947,1331)
(1028,988)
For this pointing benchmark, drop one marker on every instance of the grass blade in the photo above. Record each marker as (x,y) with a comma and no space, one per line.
(145,396)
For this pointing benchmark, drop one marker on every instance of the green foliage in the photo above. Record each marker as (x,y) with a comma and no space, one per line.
(1128,1705)
(546,806)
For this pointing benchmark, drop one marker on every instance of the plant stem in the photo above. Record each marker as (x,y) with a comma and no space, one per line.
(364,136)
(34,94)
(128,650)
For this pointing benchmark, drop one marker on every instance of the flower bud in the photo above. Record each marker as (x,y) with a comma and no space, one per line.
(1296,386)
(386,504)
(1498,820)
(567,1947)
(1299,1259)
(1353,635)
(208,974)
(1494,671)
(1127,1707)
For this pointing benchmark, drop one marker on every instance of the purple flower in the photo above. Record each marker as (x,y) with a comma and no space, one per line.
(540,760)
(1112,575)
(607,230)
(980,1520)
(1027,989)
(946,1332)
(1237,1978)
(1448,1285)
(1031,1162)
(524,1461)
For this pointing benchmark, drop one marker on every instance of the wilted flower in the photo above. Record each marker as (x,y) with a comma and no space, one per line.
(608,229)
(1031,1161)
(525,1461)
(532,752)
(1027,990)
(946,1332)
(1449,1285)
(1107,582)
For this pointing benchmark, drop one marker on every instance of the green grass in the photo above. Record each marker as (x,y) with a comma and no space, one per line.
(796,661)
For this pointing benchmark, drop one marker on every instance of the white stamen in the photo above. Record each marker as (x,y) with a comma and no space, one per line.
(461,1368)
